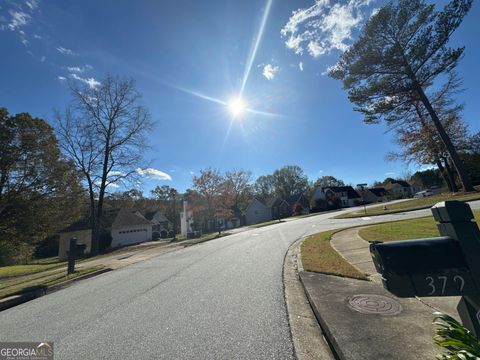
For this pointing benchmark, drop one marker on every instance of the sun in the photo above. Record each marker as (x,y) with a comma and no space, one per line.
(237,106)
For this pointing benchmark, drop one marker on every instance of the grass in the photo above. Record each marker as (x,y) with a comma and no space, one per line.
(20,270)
(405,229)
(319,256)
(17,286)
(413,204)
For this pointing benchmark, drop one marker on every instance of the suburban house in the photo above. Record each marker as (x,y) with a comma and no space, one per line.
(376,195)
(280,208)
(299,203)
(341,196)
(399,189)
(275,208)
(130,227)
(188,224)
(319,200)
(126,226)
(257,212)
(160,222)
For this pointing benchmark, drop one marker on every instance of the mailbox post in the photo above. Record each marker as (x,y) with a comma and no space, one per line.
(445,266)
(72,252)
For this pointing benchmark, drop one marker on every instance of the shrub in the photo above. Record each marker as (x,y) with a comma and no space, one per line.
(459,342)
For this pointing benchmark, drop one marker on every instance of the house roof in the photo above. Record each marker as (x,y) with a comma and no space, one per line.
(296,198)
(129,217)
(351,193)
(276,201)
(379,191)
(161,218)
(112,218)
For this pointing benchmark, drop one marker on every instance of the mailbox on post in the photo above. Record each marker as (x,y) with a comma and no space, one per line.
(444,266)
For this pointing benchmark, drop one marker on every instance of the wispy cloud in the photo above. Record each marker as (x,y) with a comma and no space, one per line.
(18,19)
(269,71)
(32,4)
(61,78)
(74,69)
(324,26)
(89,81)
(65,51)
(153,174)
(300,66)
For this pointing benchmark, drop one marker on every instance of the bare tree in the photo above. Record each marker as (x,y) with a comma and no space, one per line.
(103,131)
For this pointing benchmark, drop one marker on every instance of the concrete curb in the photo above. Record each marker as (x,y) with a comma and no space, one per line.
(307,336)
(15,300)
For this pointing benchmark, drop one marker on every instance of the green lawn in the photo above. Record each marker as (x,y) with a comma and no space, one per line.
(319,256)
(19,270)
(405,229)
(413,204)
(17,286)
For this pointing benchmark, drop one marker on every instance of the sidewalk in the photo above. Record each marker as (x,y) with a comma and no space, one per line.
(355,250)
(362,320)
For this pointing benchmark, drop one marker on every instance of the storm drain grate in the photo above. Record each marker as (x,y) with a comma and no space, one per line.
(374,304)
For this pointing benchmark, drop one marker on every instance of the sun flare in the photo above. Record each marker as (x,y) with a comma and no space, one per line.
(236,106)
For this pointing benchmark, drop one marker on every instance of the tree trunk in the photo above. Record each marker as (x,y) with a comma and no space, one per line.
(444,175)
(450,175)
(457,162)
(94,242)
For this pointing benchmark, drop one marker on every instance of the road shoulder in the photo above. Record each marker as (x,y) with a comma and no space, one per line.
(307,336)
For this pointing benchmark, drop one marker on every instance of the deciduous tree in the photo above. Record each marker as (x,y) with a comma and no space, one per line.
(39,191)
(104,133)
(327,181)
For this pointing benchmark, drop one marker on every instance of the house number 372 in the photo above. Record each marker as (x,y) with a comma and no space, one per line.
(438,284)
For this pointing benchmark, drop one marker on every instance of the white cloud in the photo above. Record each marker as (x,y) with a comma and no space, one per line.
(300,66)
(65,51)
(32,4)
(324,26)
(74,69)
(269,71)
(42,59)
(36,36)
(61,78)
(153,174)
(89,81)
(18,19)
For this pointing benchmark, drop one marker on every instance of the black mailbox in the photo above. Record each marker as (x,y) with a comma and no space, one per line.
(424,267)
(443,266)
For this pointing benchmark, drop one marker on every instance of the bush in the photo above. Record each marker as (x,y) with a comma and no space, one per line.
(459,342)
(105,240)
(48,247)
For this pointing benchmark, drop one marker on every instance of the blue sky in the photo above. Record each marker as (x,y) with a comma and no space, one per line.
(181,53)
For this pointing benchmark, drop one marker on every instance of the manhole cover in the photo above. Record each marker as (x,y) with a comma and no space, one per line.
(374,304)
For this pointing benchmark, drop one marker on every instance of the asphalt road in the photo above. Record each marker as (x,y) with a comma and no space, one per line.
(219,300)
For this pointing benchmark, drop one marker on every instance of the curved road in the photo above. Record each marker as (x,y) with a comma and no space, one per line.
(219,300)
